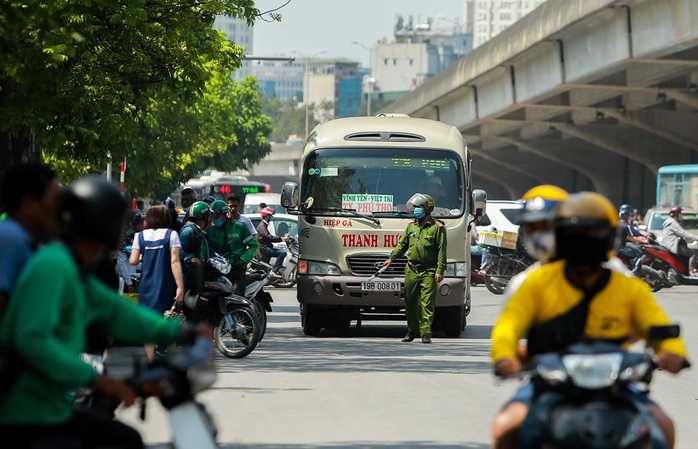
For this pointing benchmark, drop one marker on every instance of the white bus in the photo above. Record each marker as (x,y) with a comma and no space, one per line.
(356,175)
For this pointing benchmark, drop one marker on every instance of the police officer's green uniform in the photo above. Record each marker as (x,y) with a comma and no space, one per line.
(426,256)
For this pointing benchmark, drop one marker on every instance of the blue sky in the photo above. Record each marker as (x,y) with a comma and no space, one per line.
(327,27)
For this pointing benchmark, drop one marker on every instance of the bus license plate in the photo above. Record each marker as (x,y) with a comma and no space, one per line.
(380,286)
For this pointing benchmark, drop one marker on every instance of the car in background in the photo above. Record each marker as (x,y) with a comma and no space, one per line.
(252,200)
(500,215)
(655,217)
(283,224)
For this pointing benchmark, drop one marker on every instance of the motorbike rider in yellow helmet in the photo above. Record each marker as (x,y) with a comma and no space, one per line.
(573,297)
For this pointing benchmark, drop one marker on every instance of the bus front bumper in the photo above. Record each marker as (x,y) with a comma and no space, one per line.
(347,291)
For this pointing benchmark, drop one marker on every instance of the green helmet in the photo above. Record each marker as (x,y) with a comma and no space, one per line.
(219,207)
(199,210)
(422,200)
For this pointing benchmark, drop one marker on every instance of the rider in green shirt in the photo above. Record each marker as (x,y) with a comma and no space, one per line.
(54,302)
(232,240)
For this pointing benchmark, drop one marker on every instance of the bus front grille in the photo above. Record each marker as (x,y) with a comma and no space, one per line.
(368,264)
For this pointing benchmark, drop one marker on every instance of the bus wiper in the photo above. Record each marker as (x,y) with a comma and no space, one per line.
(351,212)
(394,213)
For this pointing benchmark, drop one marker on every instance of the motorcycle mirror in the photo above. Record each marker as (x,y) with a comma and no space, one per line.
(659,333)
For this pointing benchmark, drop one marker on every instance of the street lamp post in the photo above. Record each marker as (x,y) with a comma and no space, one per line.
(306,87)
(370,82)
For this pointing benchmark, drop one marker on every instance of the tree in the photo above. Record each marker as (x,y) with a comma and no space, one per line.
(134,77)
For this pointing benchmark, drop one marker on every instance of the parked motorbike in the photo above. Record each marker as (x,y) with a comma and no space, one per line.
(256,278)
(584,399)
(477,277)
(660,268)
(237,327)
(502,265)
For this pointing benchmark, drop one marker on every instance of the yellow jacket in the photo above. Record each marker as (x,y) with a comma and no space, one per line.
(623,307)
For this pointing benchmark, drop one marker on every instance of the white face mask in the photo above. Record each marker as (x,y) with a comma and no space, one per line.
(540,245)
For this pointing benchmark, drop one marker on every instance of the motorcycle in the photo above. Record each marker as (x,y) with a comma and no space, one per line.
(584,398)
(660,268)
(256,278)
(289,271)
(235,319)
(477,277)
(175,379)
(502,265)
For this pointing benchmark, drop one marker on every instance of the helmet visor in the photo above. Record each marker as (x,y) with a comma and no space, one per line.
(417,200)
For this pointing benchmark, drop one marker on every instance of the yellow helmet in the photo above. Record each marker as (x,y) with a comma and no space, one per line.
(540,202)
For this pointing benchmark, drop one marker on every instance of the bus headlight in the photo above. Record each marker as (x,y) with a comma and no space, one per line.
(321,268)
(455,269)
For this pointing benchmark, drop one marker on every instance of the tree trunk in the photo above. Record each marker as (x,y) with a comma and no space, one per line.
(17,149)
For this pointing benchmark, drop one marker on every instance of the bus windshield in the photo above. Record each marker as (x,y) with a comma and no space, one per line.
(381,180)
(678,185)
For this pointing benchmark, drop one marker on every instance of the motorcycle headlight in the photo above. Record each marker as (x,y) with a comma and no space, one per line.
(321,268)
(550,369)
(635,373)
(593,371)
(455,269)
(220,264)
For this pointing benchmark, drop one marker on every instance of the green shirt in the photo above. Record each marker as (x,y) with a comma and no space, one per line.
(233,239)
(46,320)
(424,244)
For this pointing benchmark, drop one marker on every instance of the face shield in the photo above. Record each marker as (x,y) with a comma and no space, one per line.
(417,200)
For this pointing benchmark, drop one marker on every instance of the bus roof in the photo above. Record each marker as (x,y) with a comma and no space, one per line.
(684,168)
(384,131)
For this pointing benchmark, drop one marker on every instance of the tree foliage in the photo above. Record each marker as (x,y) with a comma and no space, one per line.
(148,80)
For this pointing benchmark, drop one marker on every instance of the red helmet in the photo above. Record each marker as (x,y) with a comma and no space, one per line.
(676,210)
(267,211)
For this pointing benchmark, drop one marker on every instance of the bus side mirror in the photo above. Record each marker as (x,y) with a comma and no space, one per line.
(478,205)
(289,195)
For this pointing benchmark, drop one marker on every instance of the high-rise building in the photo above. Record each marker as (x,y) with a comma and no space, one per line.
(280,78)
(487,18)
(337,81)
(419,52)
(238,32)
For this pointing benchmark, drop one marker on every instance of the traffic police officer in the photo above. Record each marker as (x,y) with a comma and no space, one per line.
(424,241)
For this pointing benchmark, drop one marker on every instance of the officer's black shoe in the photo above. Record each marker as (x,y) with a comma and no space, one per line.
(426,339)
(408,338)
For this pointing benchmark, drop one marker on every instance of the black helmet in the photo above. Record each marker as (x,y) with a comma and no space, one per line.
(93,207)
(421,200)
(585,225)
(625,209)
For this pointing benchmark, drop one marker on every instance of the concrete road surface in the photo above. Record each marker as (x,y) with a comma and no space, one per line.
(363,388)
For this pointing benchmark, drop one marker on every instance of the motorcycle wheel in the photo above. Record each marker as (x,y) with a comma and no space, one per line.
(291,280)
(262,315)
(651,279)
(237,348)
(499,274)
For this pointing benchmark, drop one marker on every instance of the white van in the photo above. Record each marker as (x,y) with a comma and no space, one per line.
(252,200)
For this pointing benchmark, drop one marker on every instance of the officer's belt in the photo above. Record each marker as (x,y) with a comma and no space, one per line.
(421,266)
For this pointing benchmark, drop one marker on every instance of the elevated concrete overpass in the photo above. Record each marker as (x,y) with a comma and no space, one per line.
(584,94)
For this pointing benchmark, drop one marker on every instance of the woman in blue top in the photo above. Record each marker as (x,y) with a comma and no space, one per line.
(161,272)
